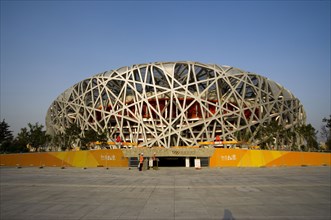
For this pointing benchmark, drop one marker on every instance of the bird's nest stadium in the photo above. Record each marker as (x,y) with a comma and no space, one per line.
(175,104)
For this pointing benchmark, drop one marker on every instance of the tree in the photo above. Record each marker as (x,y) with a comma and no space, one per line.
(74,135)
(292,139)
(326,131)
(5,133)
(91,136)
(6,137)
(328,122)
(274,136)
(38,137)
(23,138)
(33,136)
(102,137)
(243,136)
(308,133)
(68,138)
(269,134)
(57,141)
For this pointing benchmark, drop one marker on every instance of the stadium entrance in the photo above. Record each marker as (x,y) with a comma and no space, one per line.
(173,157)
(182,161)
(173,161)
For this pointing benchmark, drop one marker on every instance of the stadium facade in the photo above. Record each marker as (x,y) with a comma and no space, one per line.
(175,104)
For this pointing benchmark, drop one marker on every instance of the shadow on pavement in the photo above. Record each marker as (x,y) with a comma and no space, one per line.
(228,215)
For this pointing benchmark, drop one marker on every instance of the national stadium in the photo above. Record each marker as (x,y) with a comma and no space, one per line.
(175,107)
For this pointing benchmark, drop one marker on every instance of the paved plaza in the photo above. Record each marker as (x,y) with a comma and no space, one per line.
(168,193)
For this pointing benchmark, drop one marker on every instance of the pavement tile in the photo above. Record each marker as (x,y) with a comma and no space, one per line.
(169,193)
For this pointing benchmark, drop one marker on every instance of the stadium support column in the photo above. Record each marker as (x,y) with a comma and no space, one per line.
(187,162)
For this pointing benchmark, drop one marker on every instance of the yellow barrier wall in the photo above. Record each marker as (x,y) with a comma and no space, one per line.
(258,158)
(115,158)
(95,158)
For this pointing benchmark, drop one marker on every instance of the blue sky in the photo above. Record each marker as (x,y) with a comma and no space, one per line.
(48,46)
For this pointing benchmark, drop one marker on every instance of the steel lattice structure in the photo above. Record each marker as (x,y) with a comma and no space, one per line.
(174,104)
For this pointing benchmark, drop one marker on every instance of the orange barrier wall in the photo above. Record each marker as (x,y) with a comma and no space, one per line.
(95,158)
(115,158)
(259,158)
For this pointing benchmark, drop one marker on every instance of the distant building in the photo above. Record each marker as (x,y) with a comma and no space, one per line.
(171,104)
